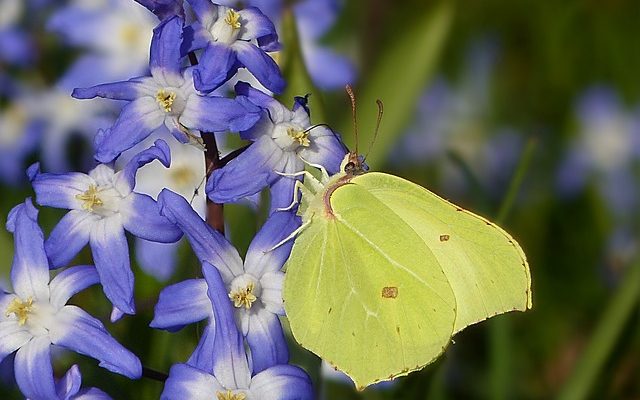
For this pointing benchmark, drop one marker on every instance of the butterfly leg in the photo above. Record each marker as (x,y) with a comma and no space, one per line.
(323,171)
(292,235)
(298,186)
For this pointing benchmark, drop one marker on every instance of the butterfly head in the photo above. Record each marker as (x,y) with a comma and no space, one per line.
(353,164)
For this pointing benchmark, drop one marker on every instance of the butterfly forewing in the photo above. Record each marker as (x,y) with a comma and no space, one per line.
(485,266)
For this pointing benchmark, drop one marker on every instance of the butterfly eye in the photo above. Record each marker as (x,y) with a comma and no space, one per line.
(350,167)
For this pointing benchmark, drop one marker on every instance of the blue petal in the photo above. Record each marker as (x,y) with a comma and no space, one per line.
(230,365)
(256,25)
(208,244)
(260,256)
(217,64)
(205,11)
(201,357)
(30,268)
(165,60)
(111,256)
(58,190)
(329,70)
(218,114)
(326,149)
(282,382)
(266,340)
(247,174)
(80,332)
(194,37)
(71,281)
(12,335)
(163,8)
(263,67)
(181,304)
(157,259)
(186,382)
(69,237)
(159,151)
(34,374)
(128,90)
(136,121)
(141,216)
(70,384)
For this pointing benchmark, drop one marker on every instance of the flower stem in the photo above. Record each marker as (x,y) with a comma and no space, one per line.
(215,211)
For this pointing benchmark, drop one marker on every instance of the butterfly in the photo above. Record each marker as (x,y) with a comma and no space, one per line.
(383,272)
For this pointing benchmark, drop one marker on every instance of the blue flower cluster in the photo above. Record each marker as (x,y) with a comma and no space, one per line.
(175,105)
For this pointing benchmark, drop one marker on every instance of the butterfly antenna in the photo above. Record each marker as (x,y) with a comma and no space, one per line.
(352,97)
(375,133)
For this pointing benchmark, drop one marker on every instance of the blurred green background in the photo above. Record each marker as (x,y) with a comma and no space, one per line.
(457,78)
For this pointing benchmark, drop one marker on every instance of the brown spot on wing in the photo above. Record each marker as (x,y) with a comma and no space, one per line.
(389,292)
(444,238)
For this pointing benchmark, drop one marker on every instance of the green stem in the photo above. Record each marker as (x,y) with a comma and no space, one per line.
(598,350)
(500,342)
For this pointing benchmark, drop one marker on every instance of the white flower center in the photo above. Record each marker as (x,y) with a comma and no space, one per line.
(227,29)
(245,290)
(290,137)
(36,316)
(170,101)
(100,200)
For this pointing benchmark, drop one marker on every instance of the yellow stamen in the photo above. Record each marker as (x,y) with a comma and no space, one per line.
(243,297)
(165,99)
(21,309)
(90,198)
(182,176)
(233,19)
(129,34)
(299,136)
(229,395)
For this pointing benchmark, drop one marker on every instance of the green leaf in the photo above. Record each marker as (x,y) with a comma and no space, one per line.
(6,252)
(398,79)
(293,68)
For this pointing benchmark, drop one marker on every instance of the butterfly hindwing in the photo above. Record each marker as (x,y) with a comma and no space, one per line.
(370,297)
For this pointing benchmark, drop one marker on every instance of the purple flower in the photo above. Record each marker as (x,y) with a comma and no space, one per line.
(166,98)
(282,138)
(103,205)
(69,388)
(36,316)
(232,39)
(230,376)
(115,35)
(164,8)
(253,287)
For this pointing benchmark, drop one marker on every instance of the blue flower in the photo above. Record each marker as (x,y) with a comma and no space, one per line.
(16,46)
(314,18)
(254,288)
(103,205)
(604,152)
(230,376)
(232,39)
(282,138)
(19,137)
(167,98)
(69,388)
(36,316)
(115,35)
(164,8)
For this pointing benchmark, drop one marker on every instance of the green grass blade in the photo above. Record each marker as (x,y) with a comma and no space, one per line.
(398,79)
(598,350)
